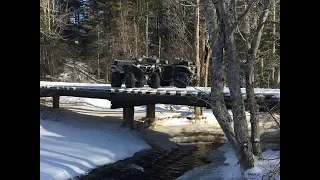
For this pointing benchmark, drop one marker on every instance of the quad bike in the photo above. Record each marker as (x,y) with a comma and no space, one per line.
(153,72)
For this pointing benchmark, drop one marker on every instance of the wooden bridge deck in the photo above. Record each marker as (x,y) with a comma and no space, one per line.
(127,98)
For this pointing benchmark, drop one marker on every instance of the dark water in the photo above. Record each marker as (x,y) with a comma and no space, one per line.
(155,164)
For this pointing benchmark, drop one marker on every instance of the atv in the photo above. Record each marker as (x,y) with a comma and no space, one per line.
(153,72)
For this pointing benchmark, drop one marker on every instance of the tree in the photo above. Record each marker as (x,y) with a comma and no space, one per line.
(233,79)
(198,110)
(249,73)
(53,22)
(222,21)
(221,30)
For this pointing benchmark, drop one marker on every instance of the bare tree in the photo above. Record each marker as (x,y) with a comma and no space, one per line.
(275,70)
(53,19)
(147,29)
(233,79)
(222,20)
(178,29)
(221,30)
(205,61)
(249,73)
(198,110)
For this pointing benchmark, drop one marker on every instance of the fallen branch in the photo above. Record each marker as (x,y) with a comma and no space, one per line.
(271,114)
(84,73)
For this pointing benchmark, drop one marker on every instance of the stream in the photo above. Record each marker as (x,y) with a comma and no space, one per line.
(156,163)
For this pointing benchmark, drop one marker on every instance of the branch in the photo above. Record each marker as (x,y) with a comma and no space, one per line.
(242,16)
(178,34)
(51,35)
(271,114)
(191,5)
(83,72)
(266,22)
(187,5)
(272,22)
(242,35)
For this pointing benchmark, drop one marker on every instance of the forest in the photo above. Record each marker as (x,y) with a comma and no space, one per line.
(96,32)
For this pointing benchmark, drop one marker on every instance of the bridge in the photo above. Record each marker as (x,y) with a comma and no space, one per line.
(127,98)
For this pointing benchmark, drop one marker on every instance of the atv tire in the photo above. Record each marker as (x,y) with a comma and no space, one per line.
(154,81)
(181,80)
(116,80)
(140,83)
(165,83)
(130,80)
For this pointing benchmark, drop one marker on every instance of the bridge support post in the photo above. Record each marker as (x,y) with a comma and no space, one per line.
(55,101)
(151,112)
(128,116)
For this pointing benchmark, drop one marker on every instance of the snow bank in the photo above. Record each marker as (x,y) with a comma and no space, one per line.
(75,143)
(268,167)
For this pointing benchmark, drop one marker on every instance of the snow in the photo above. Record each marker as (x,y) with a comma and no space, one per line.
(79,138)
(68,84)
(86,133)
(185,112)
(268,166)
(209,119)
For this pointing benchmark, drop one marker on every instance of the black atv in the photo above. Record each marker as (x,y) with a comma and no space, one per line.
(153,72)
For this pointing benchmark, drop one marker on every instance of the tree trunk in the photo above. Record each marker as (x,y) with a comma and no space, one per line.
(277,77)
(207,63)
(233,78)
(202,62)
(53,10)
(268,80)
(254,111)
(123,29)
(159,50)
(262,78)
(276,69)
(135,37)
(205,59)
(197,40)
(107,76)
(147,32)
(198,110)
(49,20)
(217,78)
(251,58)
(183,31)
(98,69)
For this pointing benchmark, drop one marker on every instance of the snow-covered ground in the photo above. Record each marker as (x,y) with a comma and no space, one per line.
(75,140)
(210,124)
(267,168)
(85,133)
